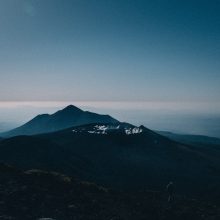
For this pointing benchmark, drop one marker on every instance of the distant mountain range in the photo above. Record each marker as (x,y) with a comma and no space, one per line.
(191,139)
(68,117)
(101,149)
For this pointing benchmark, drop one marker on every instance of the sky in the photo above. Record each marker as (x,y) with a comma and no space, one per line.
(110,50)
(149,59)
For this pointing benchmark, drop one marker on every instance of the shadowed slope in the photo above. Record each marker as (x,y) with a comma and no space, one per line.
(117,158)
(35,194)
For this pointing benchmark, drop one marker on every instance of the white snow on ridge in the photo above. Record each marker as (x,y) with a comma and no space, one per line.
(104,129)
(100,129)
(135,130)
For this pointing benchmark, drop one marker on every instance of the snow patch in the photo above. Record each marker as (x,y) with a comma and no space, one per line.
(135,130)
(104,129)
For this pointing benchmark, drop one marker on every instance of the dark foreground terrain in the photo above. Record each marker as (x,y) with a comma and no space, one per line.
(125,162)
(114,159)
(36,194)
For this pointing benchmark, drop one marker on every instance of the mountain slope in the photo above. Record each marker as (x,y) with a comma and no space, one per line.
(191,139)
(121,156)
(68,117)
(34,194)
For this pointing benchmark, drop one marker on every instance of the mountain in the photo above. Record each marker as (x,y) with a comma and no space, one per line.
(191,139)
(38,194)
(119,156)
(68,117)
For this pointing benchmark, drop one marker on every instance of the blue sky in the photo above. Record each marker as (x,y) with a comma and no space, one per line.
(151,62)
(106,50)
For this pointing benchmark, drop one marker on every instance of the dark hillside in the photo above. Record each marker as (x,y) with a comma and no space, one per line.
(115,159)
(36,194)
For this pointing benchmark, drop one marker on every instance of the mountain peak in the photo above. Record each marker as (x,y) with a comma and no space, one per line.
(71,108)
(68,117)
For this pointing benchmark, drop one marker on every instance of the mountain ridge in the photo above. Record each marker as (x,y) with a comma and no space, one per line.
(112,153)
(134,160)
(65,118)
(191,138)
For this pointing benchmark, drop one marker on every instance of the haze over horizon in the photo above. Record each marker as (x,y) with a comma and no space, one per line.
(163,53)
(181,118)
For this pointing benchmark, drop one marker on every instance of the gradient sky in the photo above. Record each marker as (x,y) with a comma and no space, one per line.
(110,50)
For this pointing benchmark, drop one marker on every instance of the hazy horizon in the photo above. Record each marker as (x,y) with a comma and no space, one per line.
(184,118)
